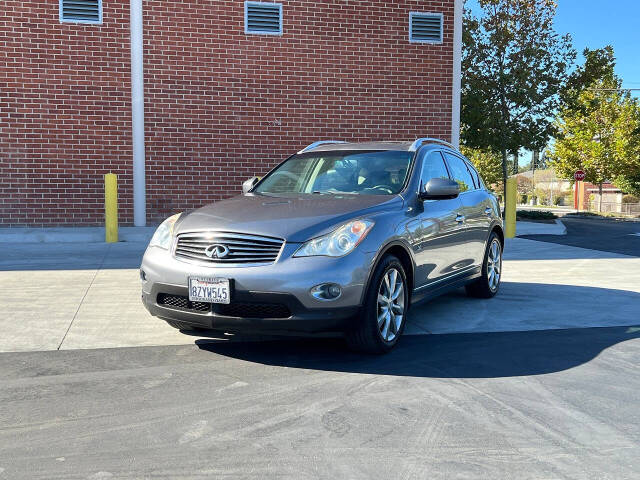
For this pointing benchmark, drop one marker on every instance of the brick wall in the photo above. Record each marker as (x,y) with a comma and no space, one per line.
(220,105)
(65,114)
(589,189)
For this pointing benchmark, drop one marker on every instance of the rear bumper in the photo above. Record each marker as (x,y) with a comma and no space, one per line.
(299,319)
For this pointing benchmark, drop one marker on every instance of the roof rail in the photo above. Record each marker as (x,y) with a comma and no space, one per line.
(317,144)
(420,141)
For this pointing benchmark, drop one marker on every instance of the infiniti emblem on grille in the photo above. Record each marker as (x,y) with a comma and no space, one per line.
(216,251)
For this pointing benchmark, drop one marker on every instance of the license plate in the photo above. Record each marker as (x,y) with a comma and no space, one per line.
(210,290)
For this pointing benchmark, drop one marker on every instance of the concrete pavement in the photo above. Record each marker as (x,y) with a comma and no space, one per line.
(540,228)
(71,296)
(72,234)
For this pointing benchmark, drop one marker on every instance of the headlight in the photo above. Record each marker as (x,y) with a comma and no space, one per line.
(162,237)
(337,243)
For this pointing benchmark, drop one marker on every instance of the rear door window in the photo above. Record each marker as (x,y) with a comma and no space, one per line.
(474,174)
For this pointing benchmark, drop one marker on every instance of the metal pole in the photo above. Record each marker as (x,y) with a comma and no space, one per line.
(534,159)
(111,208)
(457,72)
(137,115)
(510,209)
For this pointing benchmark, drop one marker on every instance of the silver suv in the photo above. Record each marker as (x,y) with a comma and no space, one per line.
(338,237)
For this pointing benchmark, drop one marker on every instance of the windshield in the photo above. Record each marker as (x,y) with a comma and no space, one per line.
(366,173)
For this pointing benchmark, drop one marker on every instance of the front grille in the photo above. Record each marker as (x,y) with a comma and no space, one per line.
(254,310)
(182,302)
(241,248)
(241,310)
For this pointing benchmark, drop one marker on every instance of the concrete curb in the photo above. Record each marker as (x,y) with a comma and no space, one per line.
(72,235)
(534,228)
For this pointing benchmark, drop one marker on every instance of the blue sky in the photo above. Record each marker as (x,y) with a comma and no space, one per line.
(596,23)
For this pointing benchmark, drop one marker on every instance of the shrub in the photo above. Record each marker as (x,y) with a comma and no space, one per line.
(630,199)
(535,215)
(568,197)
(542,196)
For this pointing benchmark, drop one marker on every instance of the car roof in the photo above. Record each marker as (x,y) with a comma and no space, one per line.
(406,146)
(329,147)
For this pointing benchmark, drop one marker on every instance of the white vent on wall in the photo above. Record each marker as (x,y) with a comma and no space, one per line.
(263,18)
(425,27)
(81,11)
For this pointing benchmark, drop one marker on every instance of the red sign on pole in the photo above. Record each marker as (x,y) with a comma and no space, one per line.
(579,176)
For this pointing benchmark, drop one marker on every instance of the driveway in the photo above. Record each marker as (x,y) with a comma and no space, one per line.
(539,382)
(616,236)
(529,405)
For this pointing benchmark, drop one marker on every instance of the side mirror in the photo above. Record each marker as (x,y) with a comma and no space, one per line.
(249,184)
(439,189)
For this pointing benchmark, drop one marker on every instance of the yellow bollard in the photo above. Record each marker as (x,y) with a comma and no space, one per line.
(510,209)
(111,207)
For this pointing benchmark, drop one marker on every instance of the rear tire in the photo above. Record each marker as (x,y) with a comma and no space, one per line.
(489,282)
(184,327)
(383,315)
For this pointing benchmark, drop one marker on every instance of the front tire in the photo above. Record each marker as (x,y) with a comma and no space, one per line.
(489,282)
(384,312)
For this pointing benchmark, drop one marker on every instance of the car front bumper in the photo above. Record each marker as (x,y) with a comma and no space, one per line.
(264,298)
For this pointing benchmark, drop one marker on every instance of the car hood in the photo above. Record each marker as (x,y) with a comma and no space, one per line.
(294,218)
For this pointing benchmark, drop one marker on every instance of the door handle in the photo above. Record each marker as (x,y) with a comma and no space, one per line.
(460,218)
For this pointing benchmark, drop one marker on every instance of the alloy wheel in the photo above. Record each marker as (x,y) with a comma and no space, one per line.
(494,264)
(390,305)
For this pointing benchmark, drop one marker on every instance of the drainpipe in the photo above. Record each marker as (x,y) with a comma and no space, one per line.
(457,72)
(137,116)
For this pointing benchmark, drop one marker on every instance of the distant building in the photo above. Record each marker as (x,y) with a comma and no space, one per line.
(546,181)
(611,197)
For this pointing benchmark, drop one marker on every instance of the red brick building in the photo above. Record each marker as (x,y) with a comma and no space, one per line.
(230,89)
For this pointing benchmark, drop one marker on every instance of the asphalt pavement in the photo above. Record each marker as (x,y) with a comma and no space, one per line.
(606,235)
(558,404)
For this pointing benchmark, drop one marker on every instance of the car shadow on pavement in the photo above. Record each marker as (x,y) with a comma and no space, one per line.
(527,306)
(470,355)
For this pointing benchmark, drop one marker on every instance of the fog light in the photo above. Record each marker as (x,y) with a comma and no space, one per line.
(326,291)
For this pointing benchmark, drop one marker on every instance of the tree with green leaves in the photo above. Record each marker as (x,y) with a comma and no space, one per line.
(598,64)
(514,66)
(600,134)
(627,178)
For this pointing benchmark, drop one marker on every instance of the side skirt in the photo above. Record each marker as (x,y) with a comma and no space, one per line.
(437,288)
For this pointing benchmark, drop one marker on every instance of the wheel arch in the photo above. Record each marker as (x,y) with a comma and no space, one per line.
(403,253)
(498,230)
